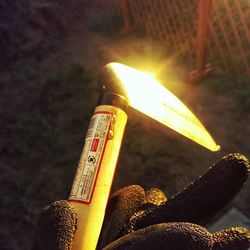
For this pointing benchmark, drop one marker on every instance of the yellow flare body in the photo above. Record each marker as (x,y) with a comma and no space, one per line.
(90,216)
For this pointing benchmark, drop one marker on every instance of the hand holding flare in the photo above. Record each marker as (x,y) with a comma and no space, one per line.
(153,221)
(91,187)
(95,180)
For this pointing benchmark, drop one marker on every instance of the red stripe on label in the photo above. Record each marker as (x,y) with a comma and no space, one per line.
(95,144)
(106,140)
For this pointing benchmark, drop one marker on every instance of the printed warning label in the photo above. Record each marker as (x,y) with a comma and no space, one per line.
(91,158)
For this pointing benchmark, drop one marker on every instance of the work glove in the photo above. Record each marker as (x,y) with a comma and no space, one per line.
(136,219)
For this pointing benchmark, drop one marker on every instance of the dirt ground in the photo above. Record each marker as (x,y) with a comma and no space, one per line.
(45,106)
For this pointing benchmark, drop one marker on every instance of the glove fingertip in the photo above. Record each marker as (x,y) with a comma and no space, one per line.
(155,196)
(56,227)
(231,239)
(209,193)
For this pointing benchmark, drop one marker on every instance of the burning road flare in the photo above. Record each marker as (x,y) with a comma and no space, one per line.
(121,86)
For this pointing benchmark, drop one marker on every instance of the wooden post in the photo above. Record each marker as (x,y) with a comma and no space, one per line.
(202,68)
(127,17)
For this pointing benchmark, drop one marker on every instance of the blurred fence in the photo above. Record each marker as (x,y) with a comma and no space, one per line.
(211,31)
(229,43)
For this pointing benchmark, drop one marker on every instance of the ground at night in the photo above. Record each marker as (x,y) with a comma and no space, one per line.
(46,103)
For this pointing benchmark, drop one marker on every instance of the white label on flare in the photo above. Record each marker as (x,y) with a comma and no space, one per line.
(91,158)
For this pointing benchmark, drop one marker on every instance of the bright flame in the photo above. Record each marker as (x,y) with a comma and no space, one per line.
(147,95)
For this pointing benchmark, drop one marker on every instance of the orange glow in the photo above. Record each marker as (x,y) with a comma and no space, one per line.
(147,95)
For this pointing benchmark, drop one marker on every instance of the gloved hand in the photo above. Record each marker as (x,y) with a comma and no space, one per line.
(136,219)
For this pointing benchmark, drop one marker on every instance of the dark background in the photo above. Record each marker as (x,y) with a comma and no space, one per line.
(50,55)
